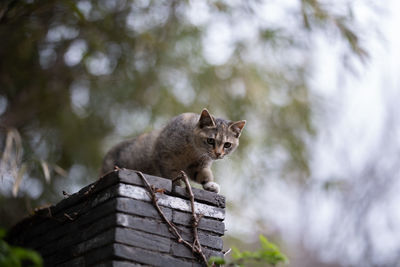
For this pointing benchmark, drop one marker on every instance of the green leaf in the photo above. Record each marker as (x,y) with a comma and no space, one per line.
(266,245)
(268,254)
(236,254)
(12,256)
(216,260)
(2,233)
(23,254)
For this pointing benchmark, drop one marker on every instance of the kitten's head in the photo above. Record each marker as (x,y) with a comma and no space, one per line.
(217,137)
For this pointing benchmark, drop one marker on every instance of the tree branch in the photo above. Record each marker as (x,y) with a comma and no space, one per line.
(196,218)
(195,247)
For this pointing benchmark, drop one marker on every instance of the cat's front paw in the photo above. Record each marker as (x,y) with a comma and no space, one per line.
(211,186)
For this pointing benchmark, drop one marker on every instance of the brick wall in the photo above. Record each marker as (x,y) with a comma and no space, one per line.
(113,223)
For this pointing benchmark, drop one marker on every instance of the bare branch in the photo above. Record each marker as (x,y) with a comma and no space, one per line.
(196,218)
(195,247)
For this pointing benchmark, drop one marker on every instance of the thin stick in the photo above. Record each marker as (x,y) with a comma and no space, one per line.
(154,199)
(196,247)
(69,217)
(196,218)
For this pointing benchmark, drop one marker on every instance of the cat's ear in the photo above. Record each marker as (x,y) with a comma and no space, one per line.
(206,120)
(237,127)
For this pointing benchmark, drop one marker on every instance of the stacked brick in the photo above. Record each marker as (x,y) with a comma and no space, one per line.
(113,223)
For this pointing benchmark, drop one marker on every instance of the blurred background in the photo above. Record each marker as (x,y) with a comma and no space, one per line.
(317,170)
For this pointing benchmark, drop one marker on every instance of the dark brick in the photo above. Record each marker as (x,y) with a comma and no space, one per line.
(150,257)
(115,234)
(88,225)
(100,255)
(85,233)
(144,224)
(109,207)
(131,177)
(75,262)
(28,230)
(185,218)
(201,196)
(54,221)
(211,241)
(180,250)
(85,216)
(205,238)
(115,263)
(160,228)
(100,240)
(74,200)
(14,234)
(103,228)
(137,207)
(142,240)
(80,249)
(207,197)
(87,192)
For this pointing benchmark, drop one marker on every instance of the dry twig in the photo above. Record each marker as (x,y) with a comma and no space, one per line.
(68,217)
(196,218)
(195,247)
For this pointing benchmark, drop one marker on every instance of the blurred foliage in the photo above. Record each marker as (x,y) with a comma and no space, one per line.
(79,76)
(268,255)
(12,256)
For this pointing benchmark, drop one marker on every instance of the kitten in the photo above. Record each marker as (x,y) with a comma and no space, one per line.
(189,142)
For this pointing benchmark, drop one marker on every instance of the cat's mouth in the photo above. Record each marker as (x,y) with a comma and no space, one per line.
(215,157)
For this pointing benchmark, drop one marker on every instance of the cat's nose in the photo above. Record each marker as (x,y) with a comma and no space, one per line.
(218,155)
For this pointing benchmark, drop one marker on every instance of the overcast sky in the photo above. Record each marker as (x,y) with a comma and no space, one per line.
(351,126)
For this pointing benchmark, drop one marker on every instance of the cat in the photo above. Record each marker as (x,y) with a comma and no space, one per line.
(188,142)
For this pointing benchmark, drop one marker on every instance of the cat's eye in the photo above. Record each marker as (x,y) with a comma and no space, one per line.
(211,141)
(227,145)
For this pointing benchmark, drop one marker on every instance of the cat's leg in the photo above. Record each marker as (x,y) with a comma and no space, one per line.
(211,186)
(172,175)
(167,172)
(177,181)
(205,177)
